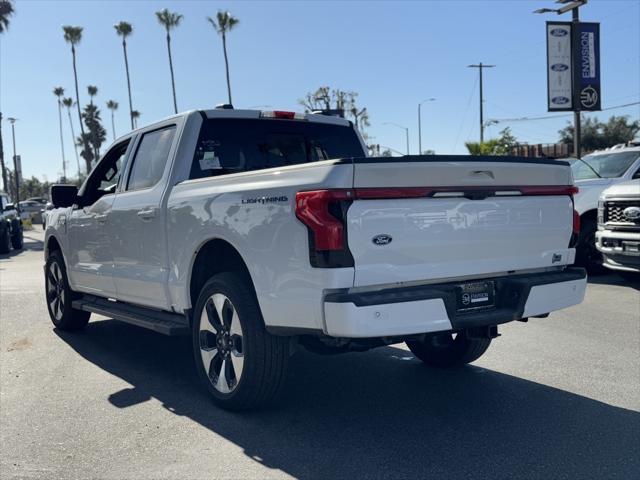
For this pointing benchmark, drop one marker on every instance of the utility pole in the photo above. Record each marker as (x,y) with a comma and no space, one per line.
(16,173)
(420,124)
(480,66)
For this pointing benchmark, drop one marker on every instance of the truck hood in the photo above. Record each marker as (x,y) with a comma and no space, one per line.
(589,191)
(630,188)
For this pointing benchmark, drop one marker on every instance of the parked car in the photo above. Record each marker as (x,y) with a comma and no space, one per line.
(32,210)
(48,206)
(10,225)
(618,235)
(258,233)
(593,174)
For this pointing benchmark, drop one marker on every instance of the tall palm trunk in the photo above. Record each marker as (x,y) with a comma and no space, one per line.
(113,126)
(73,138)
(84,140)
(173,83)
(5,183)
(64,162)
(126,67)
(226,64)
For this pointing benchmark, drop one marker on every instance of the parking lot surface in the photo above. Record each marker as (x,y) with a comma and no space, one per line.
(552,398)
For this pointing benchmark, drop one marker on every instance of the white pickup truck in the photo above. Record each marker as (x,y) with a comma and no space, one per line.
(261,232)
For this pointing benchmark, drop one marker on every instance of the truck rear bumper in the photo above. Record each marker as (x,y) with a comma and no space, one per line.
(433,308)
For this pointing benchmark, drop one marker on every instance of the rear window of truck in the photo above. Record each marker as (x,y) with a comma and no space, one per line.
(237,145)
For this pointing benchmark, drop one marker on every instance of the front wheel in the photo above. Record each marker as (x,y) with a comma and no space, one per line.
(59,296)
(238,361)
(5,241)
(449,350)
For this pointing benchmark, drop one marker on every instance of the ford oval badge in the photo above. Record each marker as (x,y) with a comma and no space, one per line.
(382,239)
(632,213)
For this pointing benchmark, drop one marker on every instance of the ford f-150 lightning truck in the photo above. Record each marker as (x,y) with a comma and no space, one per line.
(258,233)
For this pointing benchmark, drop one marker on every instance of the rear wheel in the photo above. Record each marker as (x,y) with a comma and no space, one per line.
(17,239)
(60,296)
(238,361)
(448,350)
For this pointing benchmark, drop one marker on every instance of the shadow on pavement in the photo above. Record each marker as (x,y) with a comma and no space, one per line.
(630,280)
(31,242)
(382,414)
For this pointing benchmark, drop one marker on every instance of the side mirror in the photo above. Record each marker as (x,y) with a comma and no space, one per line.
(64,195)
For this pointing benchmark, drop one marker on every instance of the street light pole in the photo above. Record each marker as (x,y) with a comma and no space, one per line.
(480,66)
(406,131)
(15,162)
(420,124)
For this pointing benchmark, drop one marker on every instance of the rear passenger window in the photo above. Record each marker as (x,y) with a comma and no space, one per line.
(151,158)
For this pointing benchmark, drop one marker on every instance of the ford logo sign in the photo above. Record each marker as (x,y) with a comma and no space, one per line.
(559,100)
(632,213)
(559,67)
(559,32)
(382,239)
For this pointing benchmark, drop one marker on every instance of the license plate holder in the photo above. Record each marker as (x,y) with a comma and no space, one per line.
(475,296)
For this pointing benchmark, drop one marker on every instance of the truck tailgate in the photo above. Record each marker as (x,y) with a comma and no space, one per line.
(425,220)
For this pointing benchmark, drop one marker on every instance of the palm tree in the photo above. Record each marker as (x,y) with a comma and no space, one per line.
(59,92)
(113,106)
(6,10)
(135,115)
(92,90)
(223,23)
(170,20)
(68,102)
(72,36)
(125,29)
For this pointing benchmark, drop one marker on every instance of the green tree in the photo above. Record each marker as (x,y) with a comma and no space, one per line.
(345,101)
(124,29)
(68,103)
(59,92)
(135,115)
(482,148)
(92,90)
(6,10)
(596,135)
(170,20)
(96,133)
(73,36)
(224,23)
(113,106)
(506,142)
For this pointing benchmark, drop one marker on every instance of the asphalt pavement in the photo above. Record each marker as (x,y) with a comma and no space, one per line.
(552,398)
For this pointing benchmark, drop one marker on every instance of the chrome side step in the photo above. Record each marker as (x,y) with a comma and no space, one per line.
(156,320)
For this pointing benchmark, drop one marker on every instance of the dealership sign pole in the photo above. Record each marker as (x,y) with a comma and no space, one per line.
(573,69)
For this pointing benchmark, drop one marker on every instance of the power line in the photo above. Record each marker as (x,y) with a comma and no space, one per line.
(466,111)
(549,117)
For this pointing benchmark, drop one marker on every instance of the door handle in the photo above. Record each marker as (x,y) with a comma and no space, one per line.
(101,217)
(147,214)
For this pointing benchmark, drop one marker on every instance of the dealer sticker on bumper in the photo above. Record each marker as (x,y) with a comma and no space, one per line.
(474,296)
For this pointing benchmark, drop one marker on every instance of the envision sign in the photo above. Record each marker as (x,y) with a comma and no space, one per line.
(573,66)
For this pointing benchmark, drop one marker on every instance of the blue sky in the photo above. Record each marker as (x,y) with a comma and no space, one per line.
(393,53)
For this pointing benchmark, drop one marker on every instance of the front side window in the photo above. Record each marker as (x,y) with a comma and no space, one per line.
(236,145)
(604,165)
(151,158)
(104,178)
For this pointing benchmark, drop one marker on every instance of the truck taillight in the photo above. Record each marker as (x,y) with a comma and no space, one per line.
(576,222)
(324,214)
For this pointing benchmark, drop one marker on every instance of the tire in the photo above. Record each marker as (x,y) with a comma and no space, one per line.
(5,240)
(17,240)
(446,351)
(229,337)
(59,296)
(587,255)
